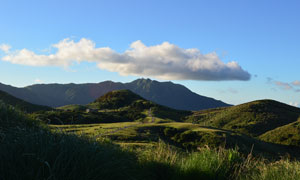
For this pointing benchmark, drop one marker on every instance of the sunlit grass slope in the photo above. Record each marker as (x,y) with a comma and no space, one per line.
(186,136)
(287,135)
(254,118)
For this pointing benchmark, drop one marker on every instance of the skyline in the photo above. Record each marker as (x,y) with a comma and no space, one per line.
(235,52)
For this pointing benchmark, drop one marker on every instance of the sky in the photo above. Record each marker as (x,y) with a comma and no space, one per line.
(235,51)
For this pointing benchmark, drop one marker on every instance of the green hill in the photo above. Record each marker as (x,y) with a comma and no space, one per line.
(117,99)
(29,150)
(20,104)
(115,106)
(73,107)
(237,126)
(286,135)
(128,101)
(254,118)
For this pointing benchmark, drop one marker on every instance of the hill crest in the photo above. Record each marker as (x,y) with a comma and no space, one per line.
(253,118)
(117,99)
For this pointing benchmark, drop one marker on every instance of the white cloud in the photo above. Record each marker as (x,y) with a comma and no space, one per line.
(296,104)
(163,61)
(5,48)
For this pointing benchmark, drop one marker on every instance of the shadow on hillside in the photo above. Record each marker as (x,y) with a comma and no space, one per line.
(40,154)
(247,144)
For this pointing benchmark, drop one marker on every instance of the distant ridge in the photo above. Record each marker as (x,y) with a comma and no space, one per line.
(165,93)
(20,104)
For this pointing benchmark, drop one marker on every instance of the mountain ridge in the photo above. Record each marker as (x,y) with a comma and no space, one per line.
(20,104)
(163,93)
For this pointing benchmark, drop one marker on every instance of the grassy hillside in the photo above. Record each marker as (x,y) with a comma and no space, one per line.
(30,151)
(127,100)
(182,135)
(254,118)
(243,125)
(73,107)
(115,106)
(232,126)
(20,104)
(286,135)
(117,99)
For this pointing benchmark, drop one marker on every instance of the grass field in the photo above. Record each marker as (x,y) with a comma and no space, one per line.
(126,137)
(186,136)
(31,151)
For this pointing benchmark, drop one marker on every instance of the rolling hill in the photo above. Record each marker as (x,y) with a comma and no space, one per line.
(253,118)
(286,135)
(114,106)
(20,104)
(165,93)
(118,99)
(126,117)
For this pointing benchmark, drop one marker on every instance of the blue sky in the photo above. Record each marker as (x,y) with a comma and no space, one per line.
(262,36)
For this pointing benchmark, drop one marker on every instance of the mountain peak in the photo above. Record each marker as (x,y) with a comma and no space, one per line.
(165,93)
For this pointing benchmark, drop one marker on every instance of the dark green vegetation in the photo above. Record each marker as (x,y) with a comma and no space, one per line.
(165,93)
(80,117)
(248,126)
(124,136)
(29,150)
(286,135)
(186,136)
(115,106)
(118,99)
(20,104)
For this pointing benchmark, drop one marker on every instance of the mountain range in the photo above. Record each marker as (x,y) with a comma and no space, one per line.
(165,93)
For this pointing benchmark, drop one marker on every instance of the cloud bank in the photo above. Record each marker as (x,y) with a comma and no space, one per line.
(164,61)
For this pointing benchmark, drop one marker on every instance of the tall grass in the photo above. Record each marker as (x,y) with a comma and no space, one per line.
(169,163)
(279,170)
(28,151)
(166,162)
